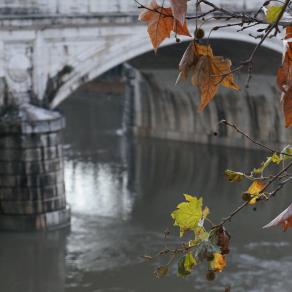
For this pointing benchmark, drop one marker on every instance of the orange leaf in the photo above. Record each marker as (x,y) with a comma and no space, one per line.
(221,68)
(284,74)
(202,77)
(203,50)
(284,79)
(209,71)
(284,219)
(256,187)
(288,32)
(161,23)
(287,107)
(179,8)
(218,263)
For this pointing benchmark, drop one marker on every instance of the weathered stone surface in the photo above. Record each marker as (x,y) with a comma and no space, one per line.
(170,112)
(32,192)
(29,141)
(32,180)
(31,154)
(32,207)
(30,167)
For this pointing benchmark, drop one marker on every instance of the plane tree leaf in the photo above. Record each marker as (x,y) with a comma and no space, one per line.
(233,176)
(179,9)
(273,12)
(188,214)
(283,220)
(208,72)
(218,263)
(284,80)
(254,190)
(161,23)
(188,61)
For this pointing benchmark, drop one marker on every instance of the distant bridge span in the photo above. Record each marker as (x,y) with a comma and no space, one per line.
(48,48)
(41,39)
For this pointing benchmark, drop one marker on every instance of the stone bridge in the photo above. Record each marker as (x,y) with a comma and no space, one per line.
(49,48)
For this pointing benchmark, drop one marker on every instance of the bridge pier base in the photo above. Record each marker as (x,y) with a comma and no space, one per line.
(32,191)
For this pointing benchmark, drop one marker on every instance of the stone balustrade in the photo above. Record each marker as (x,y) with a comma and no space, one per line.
(61,7)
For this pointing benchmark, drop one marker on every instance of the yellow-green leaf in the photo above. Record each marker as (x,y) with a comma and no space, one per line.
(188,214)
(189,262)
(233,176)
(276,158)
(273,13)
(181,271)
(206,212)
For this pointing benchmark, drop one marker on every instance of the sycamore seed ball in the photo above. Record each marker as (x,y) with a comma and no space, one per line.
(199,33)
(210,276)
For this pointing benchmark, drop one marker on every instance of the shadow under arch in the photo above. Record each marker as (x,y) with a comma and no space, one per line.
(135,45)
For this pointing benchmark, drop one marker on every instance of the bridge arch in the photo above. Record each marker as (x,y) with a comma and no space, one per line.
(135,44)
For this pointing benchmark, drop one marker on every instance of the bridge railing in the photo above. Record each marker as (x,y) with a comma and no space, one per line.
(57,7)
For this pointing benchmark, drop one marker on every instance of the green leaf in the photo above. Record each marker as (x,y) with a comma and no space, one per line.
(189,262)
(273,13)
(185,265)
(276,158)
(161,272)
(188,214)
(233,176)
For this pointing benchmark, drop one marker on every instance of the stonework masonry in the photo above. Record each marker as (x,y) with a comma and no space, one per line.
(32,191)
(49,48)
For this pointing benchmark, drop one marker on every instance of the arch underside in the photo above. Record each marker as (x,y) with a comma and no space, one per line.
(135,45)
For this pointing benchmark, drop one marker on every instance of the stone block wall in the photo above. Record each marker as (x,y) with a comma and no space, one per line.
(163,110)
(32,191)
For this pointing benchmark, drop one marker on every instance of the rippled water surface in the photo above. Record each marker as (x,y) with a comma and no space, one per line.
(121,192)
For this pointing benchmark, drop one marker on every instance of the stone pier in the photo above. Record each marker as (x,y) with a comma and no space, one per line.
(32,191)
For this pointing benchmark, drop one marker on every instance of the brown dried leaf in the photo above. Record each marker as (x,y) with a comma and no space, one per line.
(284,74)
(161,23)
(284,219)
(188,61)
(223,240)
(203,50)
(287,107)
(208,71)
(179,8)
(202,77)
(284,79)
(222,71)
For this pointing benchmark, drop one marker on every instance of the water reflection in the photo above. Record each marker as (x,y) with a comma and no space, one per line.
(100,190)
(33,262)
(121,192)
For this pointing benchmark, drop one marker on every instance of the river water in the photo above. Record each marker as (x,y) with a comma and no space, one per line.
(121,192)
